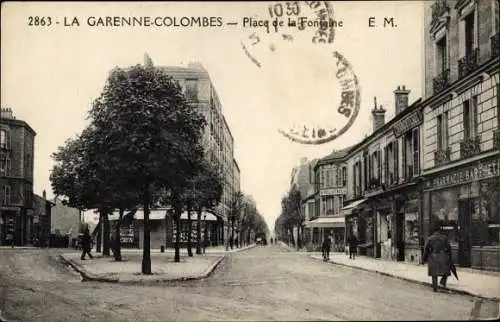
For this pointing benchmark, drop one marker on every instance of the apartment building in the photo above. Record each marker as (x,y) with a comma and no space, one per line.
(217,138)
(383,171)
(461,141)
(17,141)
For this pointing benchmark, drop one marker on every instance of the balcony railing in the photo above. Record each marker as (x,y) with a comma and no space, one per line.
(468,63)
(441,81)
(470,147)
(496,139)
(442,156)
(495,44)
(438,9)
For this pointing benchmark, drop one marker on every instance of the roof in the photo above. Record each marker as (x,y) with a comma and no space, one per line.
(19,123)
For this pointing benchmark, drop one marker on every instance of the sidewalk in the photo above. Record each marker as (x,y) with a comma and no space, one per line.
(471,282)
(209,250)
(105,269)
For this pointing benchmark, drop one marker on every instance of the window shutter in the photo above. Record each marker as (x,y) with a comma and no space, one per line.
(396,160)
(416,151)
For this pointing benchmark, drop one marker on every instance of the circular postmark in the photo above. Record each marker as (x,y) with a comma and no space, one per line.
(293,40)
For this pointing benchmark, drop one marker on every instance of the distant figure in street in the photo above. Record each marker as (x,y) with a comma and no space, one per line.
(437,255)
(325,248)
(271,240)
(86,244)
(353,246)
(205,244)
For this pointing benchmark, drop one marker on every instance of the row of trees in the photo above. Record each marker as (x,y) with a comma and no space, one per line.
(292,216)
(142,147)
(245,220)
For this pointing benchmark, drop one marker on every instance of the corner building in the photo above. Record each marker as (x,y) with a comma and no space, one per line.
(461,147)
(217,138)
(17,140)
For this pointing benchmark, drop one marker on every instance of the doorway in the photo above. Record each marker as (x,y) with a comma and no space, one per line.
(399,238)
(465,209)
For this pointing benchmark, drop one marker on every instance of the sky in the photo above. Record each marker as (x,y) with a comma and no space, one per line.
(51,74)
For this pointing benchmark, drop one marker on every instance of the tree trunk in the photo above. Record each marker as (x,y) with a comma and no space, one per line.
(146,254)
(231,242)
(190,229)
(99,236)
(299,237)
(106,230)
(177,215)
(198,232)
(118,244)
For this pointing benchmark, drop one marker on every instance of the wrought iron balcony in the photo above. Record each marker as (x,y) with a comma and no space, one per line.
(442,156)
(438,9)
(496,139)
(441,81)
(470,147)
(495,45)
(468,63)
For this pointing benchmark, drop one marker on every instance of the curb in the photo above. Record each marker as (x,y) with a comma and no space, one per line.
(242,249)
(452,290)
(86,276)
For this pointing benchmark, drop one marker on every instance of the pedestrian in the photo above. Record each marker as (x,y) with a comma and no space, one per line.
(325,248)
(353,246)
(86,244)
(437,255)
(205,243)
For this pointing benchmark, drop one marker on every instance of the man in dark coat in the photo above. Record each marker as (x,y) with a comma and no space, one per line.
(325,248)
(86,244)
(437,253)
(353,246)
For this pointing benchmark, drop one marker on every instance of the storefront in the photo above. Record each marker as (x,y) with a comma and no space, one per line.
(466,200)
(322,227)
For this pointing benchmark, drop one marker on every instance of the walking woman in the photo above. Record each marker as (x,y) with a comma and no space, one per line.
(437,255)
(325,248)
(86,244)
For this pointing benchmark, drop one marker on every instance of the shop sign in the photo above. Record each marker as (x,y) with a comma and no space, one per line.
(481,171)
(331,192)
(410,121)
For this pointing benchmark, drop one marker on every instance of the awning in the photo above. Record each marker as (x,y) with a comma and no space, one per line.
(347,210)
(160,214)
(326,222)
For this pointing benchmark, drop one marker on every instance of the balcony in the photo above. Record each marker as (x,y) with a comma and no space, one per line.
(470,147)
(468,63)
(495,44)
(441,81)
(496,139)
(442,156)
(439,8)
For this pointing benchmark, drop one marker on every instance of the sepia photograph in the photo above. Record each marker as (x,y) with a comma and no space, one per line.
(250,160)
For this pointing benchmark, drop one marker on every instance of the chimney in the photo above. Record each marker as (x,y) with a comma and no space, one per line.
(401,98)
(7,113)
(378,115)
(148,62)
(303,160)
(44,194)
(195,65)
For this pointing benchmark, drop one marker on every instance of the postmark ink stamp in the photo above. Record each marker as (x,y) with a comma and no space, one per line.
(296,40)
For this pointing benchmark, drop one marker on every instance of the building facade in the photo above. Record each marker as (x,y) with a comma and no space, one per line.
(17,141)
(461,128)
(217,138)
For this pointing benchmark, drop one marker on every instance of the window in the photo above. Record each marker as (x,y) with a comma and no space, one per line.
(192,89)
(496,16)
(5,166)
(469,34)
(396,160)
(442,56)
(442,131)
(6,194)
(470,118)
(327,183)
(416,151)
(344,176)
(4,139)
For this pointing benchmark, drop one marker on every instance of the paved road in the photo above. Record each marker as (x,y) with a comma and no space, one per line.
(265,283)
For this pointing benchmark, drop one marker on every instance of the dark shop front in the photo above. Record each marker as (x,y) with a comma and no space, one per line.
(466,200)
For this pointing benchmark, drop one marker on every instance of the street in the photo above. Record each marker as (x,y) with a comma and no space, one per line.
(264,283)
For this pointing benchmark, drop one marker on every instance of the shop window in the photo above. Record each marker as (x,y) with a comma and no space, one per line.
(411,228)
(444,205)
